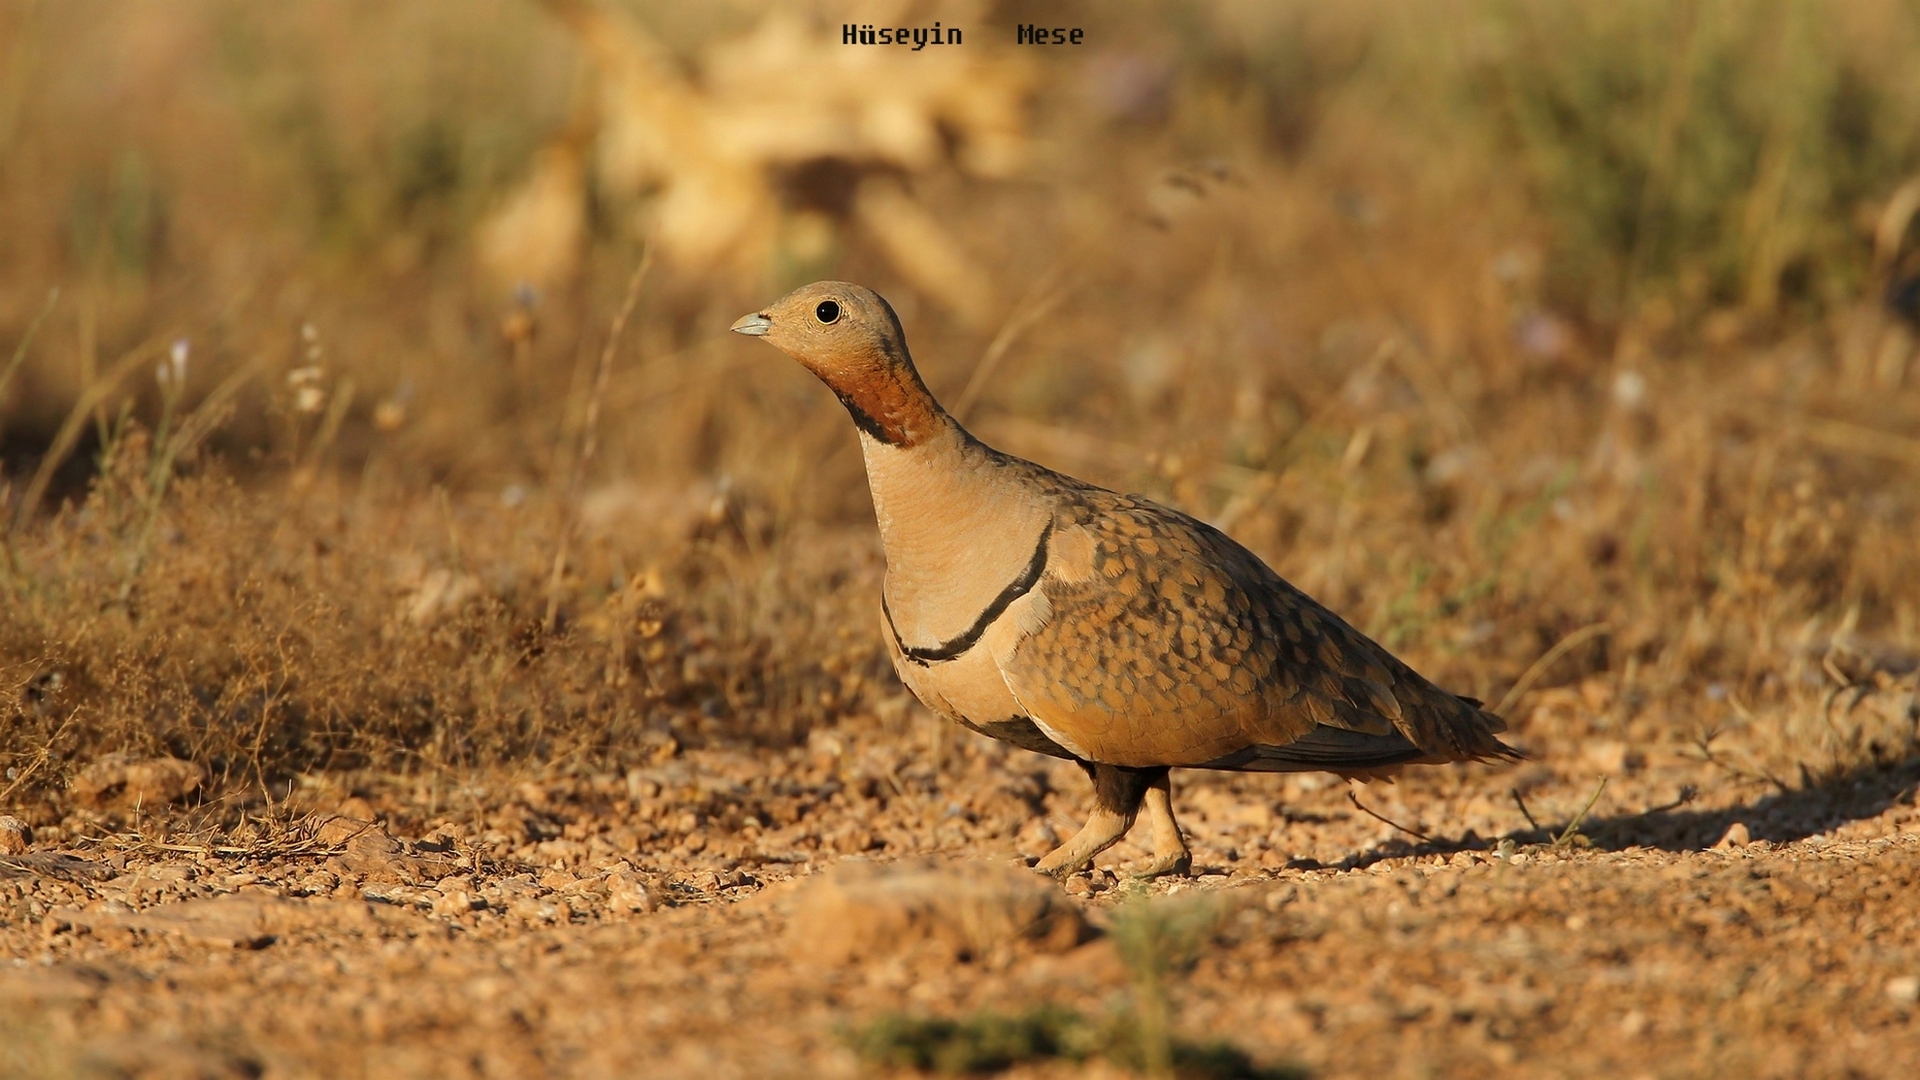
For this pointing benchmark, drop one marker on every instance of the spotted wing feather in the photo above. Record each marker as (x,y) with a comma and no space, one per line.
(1174,645)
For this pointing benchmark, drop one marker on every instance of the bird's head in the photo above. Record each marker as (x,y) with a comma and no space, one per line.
(840,331)
(849,336)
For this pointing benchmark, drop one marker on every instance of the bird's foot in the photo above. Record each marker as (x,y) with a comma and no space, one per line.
(1170,852)
(1102,829)
(1167,864)
(1061,863)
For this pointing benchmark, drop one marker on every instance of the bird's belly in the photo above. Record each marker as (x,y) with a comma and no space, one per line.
(970,690)
(967,688)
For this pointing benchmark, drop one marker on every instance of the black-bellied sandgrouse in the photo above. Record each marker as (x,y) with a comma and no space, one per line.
(1102,628)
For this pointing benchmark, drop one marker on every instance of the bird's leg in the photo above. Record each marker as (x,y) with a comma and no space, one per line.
(1117,792)
(1170,854)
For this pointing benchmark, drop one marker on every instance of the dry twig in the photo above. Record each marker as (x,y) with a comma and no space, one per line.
(1532,674)
(590,438)
(1363,808)
(69,433)
(1524,812)
(1573,827)
(20,351)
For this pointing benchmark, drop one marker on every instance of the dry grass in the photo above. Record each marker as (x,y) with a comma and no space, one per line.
(1487,345)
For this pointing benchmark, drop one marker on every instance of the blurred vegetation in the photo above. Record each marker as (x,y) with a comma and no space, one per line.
(988,1042)
(1158,939)
(1773,127)
(1485,322)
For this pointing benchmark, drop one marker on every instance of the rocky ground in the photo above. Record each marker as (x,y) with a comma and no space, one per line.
(801,913)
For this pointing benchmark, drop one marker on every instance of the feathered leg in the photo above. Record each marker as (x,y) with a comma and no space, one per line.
(1117,794)
(1170,854)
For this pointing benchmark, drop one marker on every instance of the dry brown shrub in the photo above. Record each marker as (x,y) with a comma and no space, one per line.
(273,633)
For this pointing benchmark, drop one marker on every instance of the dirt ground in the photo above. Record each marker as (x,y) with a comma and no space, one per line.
(686,920)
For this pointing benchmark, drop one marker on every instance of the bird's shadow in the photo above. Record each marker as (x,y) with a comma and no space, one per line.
(1781,816)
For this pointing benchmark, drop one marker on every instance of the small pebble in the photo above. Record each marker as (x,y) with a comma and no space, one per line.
(1634,1024)
(1904,990)
(627,891)
(535,910)
(15,836)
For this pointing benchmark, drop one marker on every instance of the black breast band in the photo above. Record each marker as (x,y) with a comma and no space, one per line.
(1018,588)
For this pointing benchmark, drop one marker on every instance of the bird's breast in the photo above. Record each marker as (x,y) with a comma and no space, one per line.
(961,546)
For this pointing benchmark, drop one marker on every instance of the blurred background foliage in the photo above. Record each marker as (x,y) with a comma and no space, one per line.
(1635,167)
(1483,321)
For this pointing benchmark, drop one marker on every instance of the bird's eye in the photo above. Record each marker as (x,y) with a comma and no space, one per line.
(827,312)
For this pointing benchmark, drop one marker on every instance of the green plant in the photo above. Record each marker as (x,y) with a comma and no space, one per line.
(984,1042)
(1159,939)
(989,1042)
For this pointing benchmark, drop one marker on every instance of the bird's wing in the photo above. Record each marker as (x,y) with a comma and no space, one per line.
(1164,642)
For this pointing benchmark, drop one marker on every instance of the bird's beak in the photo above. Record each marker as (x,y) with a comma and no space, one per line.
(753,325)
